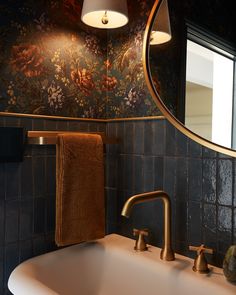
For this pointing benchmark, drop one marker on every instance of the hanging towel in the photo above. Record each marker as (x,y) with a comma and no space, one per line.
(80,209)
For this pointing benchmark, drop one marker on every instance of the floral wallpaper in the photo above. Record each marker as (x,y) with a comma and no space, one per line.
(53,64)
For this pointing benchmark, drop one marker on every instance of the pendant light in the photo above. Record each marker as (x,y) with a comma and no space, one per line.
(161,31)
(105,14)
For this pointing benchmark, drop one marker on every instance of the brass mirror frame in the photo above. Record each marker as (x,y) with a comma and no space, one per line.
(157,99)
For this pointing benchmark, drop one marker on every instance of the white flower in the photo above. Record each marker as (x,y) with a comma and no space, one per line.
(55,96)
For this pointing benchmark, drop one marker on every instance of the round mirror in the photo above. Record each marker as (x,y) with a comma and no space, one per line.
(189,63)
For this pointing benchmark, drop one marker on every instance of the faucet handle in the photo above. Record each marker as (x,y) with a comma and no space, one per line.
(140,244)
(200,262)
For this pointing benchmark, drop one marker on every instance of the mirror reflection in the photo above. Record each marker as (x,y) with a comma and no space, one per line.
(193,72)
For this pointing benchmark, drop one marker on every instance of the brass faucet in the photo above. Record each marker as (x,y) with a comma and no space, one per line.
(200,262)
(166,253)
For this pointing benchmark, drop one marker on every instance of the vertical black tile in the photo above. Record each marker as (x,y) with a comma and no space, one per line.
(181,179)
(111,206)
(158,173)
(50,175)
(25,250)
(234,226)
(181,144)
(128,172)
(12,180)
(139,137)
(148,137)
(39,176)
(39,245)
(138,174)
(195,179)
(27,178)
(128,137)
(148,173)
(181,221)
(209,180)
(194,149)
(120,135)
(39,215)
(1,268)
(11,260)
(170,175)
(194,225)
(2,222)
(12,221)
(170,139)
(2,181)
(159,137)
(111,171)
(209,217)
(26,219)
(225,226)
(50,213)
(2,121)
(111,131)
(120,172)
(225,182)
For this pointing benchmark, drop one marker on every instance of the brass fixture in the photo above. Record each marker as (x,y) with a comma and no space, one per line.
(50,137)
(166,253)
(200,262)
(140,244)
(105,18)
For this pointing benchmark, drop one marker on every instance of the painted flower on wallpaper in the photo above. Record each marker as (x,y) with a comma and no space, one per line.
(134,97)
(92,44)
(83,79)
(55,96)
(108,83)
(27,59)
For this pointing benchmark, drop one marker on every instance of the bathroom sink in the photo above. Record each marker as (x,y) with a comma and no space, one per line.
(110,266)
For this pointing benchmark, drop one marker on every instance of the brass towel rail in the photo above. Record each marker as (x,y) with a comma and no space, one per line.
(50,137)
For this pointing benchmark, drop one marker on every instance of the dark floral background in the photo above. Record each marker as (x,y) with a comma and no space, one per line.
(53,64)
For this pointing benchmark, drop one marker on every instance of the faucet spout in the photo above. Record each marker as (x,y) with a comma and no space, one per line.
(166,253)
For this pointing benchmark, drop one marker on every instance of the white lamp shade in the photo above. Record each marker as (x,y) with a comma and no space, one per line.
(93,12)
(161,31)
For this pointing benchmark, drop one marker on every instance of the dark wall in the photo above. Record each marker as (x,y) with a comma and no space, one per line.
(200,182)
(27,196)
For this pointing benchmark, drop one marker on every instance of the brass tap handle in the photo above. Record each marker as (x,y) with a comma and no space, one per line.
(140,244)
(200,262)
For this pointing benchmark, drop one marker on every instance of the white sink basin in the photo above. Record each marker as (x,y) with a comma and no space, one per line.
(110,266)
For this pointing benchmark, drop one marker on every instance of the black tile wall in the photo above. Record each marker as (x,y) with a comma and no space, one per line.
(151,155)
(27,197)
(201,184)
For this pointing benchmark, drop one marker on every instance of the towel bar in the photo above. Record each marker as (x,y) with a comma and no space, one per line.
(50,137)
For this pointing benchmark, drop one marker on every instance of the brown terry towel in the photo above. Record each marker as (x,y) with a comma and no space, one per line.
(80,209)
